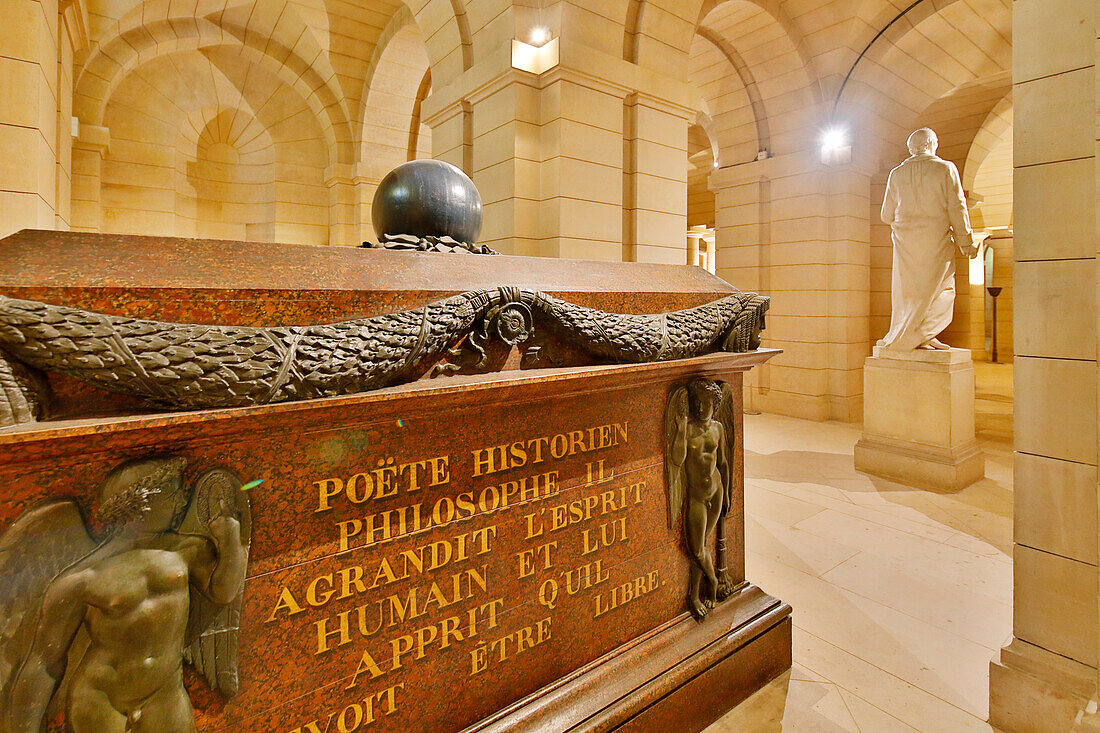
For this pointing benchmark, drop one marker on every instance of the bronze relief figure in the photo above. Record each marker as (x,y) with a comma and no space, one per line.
(699,425)
(100,627)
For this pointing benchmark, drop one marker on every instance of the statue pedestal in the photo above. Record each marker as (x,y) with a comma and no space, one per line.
(918,419)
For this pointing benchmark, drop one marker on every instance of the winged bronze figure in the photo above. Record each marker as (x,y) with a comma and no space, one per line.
(99,627)
(699,430)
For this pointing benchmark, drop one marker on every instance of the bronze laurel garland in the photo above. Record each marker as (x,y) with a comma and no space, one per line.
(181,366)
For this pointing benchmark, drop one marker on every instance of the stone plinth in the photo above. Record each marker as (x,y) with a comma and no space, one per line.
(918,419)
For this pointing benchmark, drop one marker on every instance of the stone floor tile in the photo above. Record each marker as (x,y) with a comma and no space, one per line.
(934,560)
(960,609)
(789,704)
(870,719)
(778,507)
(903,700)
(901,595)
(939,662)
(792,547)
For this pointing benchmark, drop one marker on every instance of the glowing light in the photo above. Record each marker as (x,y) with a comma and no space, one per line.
(834,139)
(539,35)
(252,484)
(400,423)
(977,262)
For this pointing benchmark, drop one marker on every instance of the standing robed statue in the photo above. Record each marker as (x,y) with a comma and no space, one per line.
(925,207)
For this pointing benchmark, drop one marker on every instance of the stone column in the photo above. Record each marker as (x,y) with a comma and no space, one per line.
(344,211)
(365,188)
(89,150)
(1047,675)
(655,178)
(583,208)
(487,124)
(568,163)
(693,239)
(742,236)
(797,230)
(29,116)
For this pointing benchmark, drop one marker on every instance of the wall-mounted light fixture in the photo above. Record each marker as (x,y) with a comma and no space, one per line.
(535,58)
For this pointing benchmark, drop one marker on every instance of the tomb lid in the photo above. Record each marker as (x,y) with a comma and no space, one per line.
(79,259)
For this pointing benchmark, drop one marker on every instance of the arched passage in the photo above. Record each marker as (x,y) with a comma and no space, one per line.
(275,40)
(209,143)
(399,79)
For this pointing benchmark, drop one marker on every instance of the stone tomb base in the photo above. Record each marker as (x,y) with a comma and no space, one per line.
(481,552)
(918,419)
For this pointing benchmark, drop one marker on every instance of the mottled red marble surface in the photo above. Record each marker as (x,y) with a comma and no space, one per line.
(285,684)
(258,284)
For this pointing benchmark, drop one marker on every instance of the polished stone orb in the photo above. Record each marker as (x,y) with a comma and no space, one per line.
(427,198)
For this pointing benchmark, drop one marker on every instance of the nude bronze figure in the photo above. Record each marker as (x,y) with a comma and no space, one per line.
(102,628)
(699,457)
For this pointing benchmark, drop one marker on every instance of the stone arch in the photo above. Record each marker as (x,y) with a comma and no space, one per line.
(211,136)
(657,34)
(778,11)
(885,26)
(464,35)
(391,97)
(274,40)
(903,70)
(706,123)
(673,25)
(420,143)
(448,37)
(769,75)
(996,125)
(748,81)
(632,24)
(220,195)
(397,22)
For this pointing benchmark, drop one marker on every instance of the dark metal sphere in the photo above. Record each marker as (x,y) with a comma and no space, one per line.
(427,198)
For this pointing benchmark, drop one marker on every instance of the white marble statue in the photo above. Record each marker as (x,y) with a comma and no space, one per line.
(926,209)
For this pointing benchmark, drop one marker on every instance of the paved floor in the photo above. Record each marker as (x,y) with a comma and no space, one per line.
(901,596)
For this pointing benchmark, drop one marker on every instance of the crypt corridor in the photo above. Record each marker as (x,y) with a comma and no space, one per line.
(752,137)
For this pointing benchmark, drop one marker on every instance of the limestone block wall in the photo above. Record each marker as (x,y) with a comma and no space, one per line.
(1046,676)
(798,231)
(202,119)
(1004,271)
(36,50)
(993,181)
(276,119)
